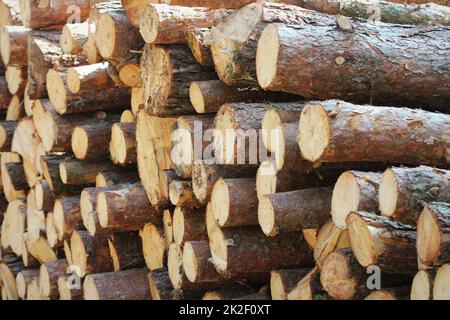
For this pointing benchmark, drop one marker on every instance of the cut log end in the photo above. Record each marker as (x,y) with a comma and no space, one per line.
(178,225)
(5,48)
(314,132)
(345,199)
(220,199)
(153,247)
(106,31)
(362,243)
(78,252)
(266,179)
(44,280)
(441,288)
(56,90)
(272,132)
(336,276)
(175,265)
(80,142)
(102,209)
(388,193)
(429,236)
(149,24)
(118,146)
(266,217)
(90,289)
(421,288)
(73,80)
(88,213)
(130,75)
(267,56)
(58,218)
(63,172)
(190,263)
(196,97)
(218,247)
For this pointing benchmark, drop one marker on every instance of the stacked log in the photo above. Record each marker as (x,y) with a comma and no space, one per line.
(169,149)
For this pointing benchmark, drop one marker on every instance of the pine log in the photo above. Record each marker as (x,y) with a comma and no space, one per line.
(120,175)
(116,38)
(137,99)
(402,191)
(190,140)
(13,227)
(375,240)
(204,176)
(153,246)
(44,53)
(44,14)
(5,95)
(277,69)
(122,147)
(248,249)
(40,249)
(188,224)
(23,279)
(34,292)
(344,278)
(10,13)
(433,229)
(27,103)
(228,293)
(130,71)
(384,11)
(91,141)
(127,116)
(329,239)
(126,251)
(73,37)
(90,254)
(8,188)
(164,24)
(354,191)
(166,73)
(48,277)
(234,202)
(88,100)
(67,216)
(51,232)
(168,228)
(50,167)
(397,293)
(16,77)
(234,53)
(160,286)
(153,141)
(16,176)
(182,195)
(89,77)
(417,134)
(125,209)
(134,8)
(68,290)
(308,288)
(75,172)
(16,108)
(294,211)
(212,4)
(44,196)
(198,40)
(440,2)
(8,282)
(441,288)
(121,285)
(14,45)
(283,281)
(36,219)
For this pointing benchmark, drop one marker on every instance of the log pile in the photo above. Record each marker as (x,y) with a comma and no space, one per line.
(286,150)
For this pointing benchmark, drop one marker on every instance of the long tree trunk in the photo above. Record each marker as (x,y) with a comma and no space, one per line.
(403,191)
(409,81)
(395,135)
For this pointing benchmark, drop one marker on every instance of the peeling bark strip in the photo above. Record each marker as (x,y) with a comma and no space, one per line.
(404,190)
(234,41)
(389,12)
(433,229)
(395,135)
(374,63)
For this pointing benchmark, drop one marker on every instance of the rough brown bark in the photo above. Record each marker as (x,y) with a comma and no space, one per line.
(396,135)
(248,249)
(48,277)
(50,167)
(74,172)
(204,176)
(14,40)
(294,211)
(44,54)
(188,224)
(121,285)
(67,216)
(234,202)
(90,254)
(89,77)
(67,290)
(160,286)
(234,53)
(5,95)
(354,191)
(126,250)
(182,195)
(73,37)
(125,209)
(403,190)
(119,175)
(375,240)
(122,147)
(198,40)
(44,196)
(409,82)
(163,24)
(433,229)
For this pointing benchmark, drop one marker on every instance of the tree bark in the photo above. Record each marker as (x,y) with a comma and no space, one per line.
(395,135)
(48,277)
(160,286)
(5,95)
(119,175)
(283,281)
(294,211)
(376,240)
(122,147)
(308,288)
(403,190)
(278,69)
(126,251)
(14,40)
(433,228)
(182,195)
(66,291)
(67,216)
(73,37)
(198,40)
(188,224)
(121,285)
(74,172)
(89,77)
(166,73)
(354,191)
